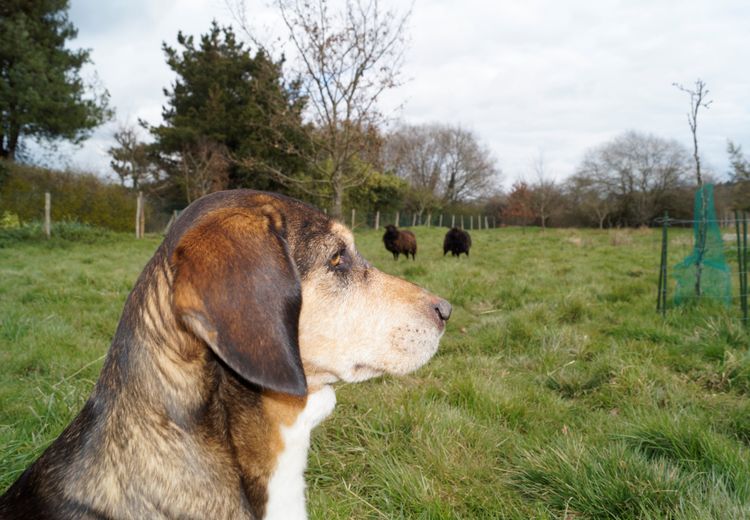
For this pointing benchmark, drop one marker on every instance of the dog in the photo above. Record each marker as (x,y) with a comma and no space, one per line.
(400,242)
(221,365)
(457,241)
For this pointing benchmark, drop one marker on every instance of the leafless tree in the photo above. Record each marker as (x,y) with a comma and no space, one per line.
(638,170)
(346,60)
(740,175)
(204,168)
(446,164)
(545,194)
(697,100)
(587,196)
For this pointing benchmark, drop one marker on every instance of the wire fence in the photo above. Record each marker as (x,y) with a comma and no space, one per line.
(683,251)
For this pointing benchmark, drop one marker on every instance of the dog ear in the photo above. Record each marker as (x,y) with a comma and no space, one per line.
(236,287)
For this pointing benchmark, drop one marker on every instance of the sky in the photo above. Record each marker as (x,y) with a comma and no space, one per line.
(533,79)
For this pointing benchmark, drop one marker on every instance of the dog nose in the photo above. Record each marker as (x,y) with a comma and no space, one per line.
(443,309)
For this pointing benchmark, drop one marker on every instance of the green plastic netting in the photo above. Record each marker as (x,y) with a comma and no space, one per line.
(704,273)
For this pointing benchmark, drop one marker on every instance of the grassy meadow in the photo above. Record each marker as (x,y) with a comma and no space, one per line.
(557,392)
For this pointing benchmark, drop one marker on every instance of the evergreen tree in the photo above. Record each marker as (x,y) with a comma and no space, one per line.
(41,92)
(228,99)
(740,165)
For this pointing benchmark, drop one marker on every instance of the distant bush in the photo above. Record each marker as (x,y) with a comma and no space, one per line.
(76,197)
(60,231)
(9,220)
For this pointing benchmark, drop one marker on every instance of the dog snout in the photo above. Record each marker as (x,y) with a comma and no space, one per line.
(443,310)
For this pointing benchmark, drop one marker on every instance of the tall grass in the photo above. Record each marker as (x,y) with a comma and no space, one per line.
(558,392)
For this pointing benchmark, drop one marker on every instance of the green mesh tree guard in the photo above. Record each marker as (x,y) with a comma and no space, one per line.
(704,273)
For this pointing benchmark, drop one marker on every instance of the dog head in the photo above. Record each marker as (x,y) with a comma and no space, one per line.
(279,292)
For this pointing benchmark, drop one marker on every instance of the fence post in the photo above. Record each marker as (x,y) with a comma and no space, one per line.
(138,204)
(453,221)
(377,220)
(429,219)
(143,218)
(479,222)
(462,222)
(440,221)
(661,298)
(354,213)
(47,214)
(471,222)
(486,223)
(742,261)
(398,219)
(744,267)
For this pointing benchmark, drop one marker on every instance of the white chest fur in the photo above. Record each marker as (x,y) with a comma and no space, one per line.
(286,488)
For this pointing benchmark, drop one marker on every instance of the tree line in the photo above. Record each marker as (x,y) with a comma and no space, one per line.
(239,115)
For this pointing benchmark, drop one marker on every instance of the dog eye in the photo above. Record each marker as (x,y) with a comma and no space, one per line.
(339,261)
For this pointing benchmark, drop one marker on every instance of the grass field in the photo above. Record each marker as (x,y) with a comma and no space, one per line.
(557,392)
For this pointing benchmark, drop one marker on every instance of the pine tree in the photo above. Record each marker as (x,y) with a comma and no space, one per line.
(42,95)
(234,102)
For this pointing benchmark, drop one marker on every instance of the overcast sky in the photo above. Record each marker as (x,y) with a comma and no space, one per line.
(530,77)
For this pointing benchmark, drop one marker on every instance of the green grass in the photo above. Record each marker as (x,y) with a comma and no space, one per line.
(557,392)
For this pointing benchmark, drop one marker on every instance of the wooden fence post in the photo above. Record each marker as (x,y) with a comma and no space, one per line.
(354,213)
(47,214)
(429,219)
(138,209)
(479,222)
(377,220)
(453,221)
(413,219)
(486,223)
(471,222)
(397,223)
(462,222)
(440,221)
(143,218)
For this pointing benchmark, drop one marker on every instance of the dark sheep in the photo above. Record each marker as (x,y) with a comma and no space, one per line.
(457,241)
(400,242)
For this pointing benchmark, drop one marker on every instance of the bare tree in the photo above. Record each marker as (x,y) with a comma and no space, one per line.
(740,175)
(518,208)
(203,168)
(697,100)
(545,194)
(346,59)
(445,164)
(589,197)
(638,171)
(740,164)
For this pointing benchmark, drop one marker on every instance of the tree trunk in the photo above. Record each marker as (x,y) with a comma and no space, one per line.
(338,198)
(10,152)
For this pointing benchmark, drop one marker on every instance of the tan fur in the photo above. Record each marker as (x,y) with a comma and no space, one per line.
(377,324)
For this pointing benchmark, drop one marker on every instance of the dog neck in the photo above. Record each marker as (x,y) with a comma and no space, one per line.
(286,487)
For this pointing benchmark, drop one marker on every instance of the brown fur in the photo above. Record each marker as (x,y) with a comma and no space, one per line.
(400,242)
(206,365)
